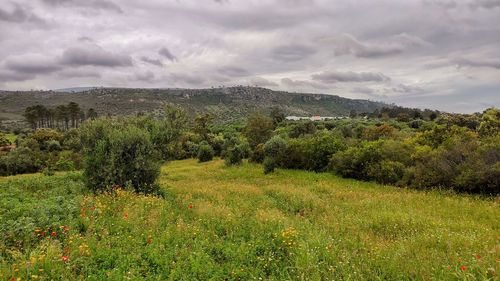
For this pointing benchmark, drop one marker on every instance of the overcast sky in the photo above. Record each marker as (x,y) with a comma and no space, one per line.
(440,54)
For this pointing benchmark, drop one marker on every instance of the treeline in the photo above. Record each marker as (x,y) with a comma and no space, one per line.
(450,151)
(399,113)
(62,117)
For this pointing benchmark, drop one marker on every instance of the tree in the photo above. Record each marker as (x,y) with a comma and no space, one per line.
(202,125)
(353,114)
(74,113)
(490,122)
(205,153)
(91,114)
(119,153)
(277,115)
(259,129)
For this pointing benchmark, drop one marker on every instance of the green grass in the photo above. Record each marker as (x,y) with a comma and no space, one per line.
(236,223)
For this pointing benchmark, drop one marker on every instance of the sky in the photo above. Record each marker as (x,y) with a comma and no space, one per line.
(438,54)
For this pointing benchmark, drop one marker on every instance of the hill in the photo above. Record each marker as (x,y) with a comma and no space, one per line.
(236,223)
(225,103)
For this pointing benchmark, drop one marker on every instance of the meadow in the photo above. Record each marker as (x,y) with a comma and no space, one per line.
(216,222)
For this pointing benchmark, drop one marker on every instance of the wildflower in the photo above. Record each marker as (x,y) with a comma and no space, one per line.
(125,216)
(190,206)
(53,234)
(150,240)
(478,256)
(463,268)
(65,258)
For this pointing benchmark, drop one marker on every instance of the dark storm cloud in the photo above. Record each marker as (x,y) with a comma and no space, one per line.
(90,4)
(96,56)
(152,61)
(167,54)
(330,77)
(292,52)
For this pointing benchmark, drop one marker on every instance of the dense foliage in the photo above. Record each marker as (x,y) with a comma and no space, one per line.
(397,146)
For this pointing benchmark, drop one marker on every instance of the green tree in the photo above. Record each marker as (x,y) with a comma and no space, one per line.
(259,129)
(277,115)
(119,153)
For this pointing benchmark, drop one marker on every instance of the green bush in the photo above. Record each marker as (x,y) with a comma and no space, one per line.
(119,153)
(257,155)
(234,155)
(269,165)
(64,164)
(52,145)
(205,153)
(19,161)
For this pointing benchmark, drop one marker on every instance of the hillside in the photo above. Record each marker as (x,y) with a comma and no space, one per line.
(236,223)
(225,103)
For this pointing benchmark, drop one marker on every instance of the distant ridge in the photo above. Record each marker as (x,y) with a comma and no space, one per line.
(75,89)
(226,103)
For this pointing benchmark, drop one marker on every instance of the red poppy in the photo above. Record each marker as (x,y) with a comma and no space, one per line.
(190,206)
(478,256)
(150,240)
(463,268)
(53,234)
(12,279)
(125,216)
(65,258)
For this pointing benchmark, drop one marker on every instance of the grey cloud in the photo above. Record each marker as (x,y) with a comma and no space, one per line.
(485,4)
(78,73)
(262,82)
(167,54)
(303,84)
(363,90)
(19,15)
(78,56)
(492,63)
(147,76)
(32,64)
(292,52)
(347,44)
(152,61)
(233,71)
(90,4)
(189,79)
(10,76)
(337,76)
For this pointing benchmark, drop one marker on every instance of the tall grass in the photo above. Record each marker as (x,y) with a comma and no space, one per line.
(218,222)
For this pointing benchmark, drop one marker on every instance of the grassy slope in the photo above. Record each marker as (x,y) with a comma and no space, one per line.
(235,222)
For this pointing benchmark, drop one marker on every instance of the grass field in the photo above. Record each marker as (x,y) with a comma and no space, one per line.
(236,223)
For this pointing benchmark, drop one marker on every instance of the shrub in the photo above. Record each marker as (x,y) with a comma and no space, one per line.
(3,140)
(64,164)
(312,152)
(205,153)
(269,165)
(259,129)
(119,153)
(52,145)
(19,161)
(257,155)
(234,156)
